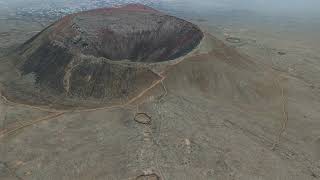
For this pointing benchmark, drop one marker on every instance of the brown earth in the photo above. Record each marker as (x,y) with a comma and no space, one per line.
(213,114)
(99,57)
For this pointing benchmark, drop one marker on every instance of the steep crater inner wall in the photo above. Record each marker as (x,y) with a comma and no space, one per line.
(135,36)
(80,58)
(160,44)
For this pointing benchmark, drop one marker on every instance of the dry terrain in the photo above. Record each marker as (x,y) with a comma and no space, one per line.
(224,111)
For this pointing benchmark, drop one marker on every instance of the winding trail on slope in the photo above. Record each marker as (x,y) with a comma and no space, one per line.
(57,113)
(54,113)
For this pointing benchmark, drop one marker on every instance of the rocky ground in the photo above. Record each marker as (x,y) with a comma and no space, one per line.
(218,114)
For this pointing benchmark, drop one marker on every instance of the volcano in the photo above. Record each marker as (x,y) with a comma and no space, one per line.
(103,54)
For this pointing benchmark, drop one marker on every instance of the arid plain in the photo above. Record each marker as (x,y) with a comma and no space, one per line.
(245,104)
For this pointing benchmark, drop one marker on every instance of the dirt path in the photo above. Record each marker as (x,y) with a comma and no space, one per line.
(57,113)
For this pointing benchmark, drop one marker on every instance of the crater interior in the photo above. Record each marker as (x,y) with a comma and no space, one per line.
(135,33)
(97,55)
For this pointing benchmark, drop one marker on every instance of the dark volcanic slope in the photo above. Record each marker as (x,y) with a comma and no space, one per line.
(82,54)
(132,32)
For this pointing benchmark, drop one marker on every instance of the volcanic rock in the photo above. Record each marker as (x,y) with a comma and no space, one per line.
(104,54)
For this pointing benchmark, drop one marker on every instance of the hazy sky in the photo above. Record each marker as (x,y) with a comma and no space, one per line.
(276,6)
(299,7)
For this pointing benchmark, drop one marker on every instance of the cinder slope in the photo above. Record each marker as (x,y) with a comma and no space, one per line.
(99,57)
(217,115)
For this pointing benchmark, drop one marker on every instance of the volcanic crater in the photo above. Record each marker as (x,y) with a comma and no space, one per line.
(100,55)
